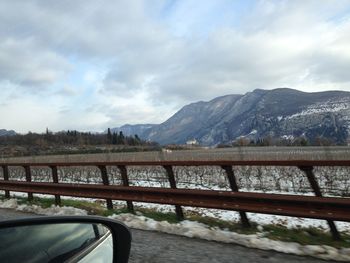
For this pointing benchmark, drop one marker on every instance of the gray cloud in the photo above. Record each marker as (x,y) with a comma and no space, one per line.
(86,28)
(282,44)
(66,91)
(170,61)
(23,63)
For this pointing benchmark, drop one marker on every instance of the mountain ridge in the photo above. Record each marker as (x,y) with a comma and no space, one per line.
(278,113)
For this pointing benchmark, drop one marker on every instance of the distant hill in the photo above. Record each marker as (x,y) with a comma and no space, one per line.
(131,130)
(4,132)
(279,113)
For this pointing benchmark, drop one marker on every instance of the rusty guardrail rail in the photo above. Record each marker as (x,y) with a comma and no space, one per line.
(318,207)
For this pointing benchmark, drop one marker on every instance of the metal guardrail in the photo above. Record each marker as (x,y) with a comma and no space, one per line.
(187,163)
(318,207)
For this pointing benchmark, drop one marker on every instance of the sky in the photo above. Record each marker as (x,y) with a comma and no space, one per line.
(87,65)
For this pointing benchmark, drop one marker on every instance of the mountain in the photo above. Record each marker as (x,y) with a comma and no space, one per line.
(4,132)
(131,130)
(278,113)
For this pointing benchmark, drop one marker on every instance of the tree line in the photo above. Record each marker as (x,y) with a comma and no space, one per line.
(73,137)
(272,141)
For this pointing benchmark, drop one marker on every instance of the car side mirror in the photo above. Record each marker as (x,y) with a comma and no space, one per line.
(64,239)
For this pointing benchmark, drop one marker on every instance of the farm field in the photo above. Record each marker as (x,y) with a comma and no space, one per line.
(236,153)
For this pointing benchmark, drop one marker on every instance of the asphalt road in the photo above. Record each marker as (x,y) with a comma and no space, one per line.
(158,247)
(6,214)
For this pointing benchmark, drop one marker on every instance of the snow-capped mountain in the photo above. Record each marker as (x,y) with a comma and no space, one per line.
(280,113)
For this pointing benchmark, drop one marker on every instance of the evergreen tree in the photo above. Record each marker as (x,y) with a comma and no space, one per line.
(121,138)
(109,136)
(115,138)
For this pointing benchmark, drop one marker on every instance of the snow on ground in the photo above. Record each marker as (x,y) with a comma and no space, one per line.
(53,210)
(329,106)
(198,230)
(260,219)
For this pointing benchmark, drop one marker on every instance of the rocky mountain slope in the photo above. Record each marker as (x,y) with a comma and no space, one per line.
(280,113)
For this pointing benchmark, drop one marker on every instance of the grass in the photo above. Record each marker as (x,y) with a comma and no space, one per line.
(158,216)
(223,225)
(304,236)
(91,208)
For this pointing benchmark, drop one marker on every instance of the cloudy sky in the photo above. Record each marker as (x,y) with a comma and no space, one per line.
(89,65)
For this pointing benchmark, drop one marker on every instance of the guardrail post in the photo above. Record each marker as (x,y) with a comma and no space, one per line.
(308,170)
(124,175)
(5,170)
(169,170)
(55,180)
(105,181)
(28,179)
(234,187)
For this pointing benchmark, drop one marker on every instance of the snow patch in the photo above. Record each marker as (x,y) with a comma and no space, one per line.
(328,106)
(288,137)
(53,210)
(10,204)
(253,132)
